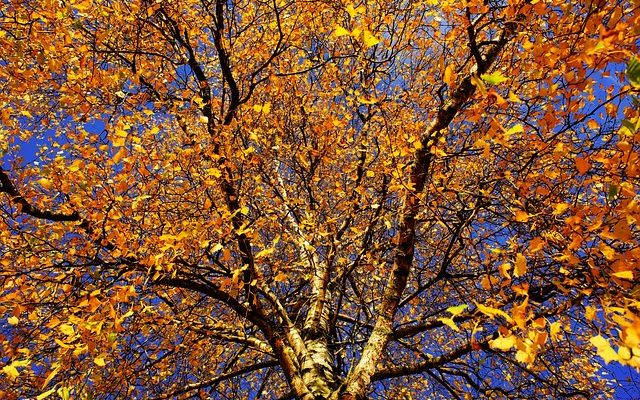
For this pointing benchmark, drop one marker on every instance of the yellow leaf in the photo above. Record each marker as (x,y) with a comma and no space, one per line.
(280,277)
(504,270)
(11,372)
(217,247)
(151,10)
(45,394)
(63,392)
(263,108)
(449,322)
(264,253)
(503,343)
(67,329)
(121,133)
(624,275)
(339,31)
(605,350)
(51,375)
(13,320)
(118,141)
(492,312)
(457,310)
(487,282)
(559,208)
(554,330)
(607,251)
(118,156)
(524,357)
(215,172)
(521,265)
(514,98)
(514,129)
(99,361)
(370,39)
(355,11)
(45,183)
(493,79)
(76,165)
(62,344)
(364,100)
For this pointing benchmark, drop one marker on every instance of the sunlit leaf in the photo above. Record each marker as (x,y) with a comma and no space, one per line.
(457,310)
(449,75)
(633,71)
(450,323)
(504,343)
(11,372)
(64,393)
(604,349)
(67,329)
(340,31)
(522,216)
(521,265)
(582,165)
(492,312)
(624,275)
(370,39)
(494,78)
(46,394)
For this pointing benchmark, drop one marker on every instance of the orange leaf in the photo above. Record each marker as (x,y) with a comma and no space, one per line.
(582,165)
(522,216)
(521,265)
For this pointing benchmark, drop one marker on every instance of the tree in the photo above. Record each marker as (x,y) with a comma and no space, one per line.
(318,200)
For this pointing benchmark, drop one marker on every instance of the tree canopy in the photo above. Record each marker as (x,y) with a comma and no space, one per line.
(341,200)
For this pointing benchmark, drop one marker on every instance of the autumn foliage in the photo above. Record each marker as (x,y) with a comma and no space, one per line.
(287,199)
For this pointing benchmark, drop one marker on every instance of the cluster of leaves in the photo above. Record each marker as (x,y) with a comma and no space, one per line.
(318,200)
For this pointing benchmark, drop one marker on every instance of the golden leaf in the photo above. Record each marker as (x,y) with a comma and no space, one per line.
(457,310)
(521,265)
(503,343)
(624,275)
(450,323)
(67,329)
(45,394)
(493,312)
(604,349)
(369,39)
(11,372)
(522,216)
(339,31)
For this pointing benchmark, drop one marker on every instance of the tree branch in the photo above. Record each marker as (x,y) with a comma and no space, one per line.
(222,377)
(25,207)
(358,380)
